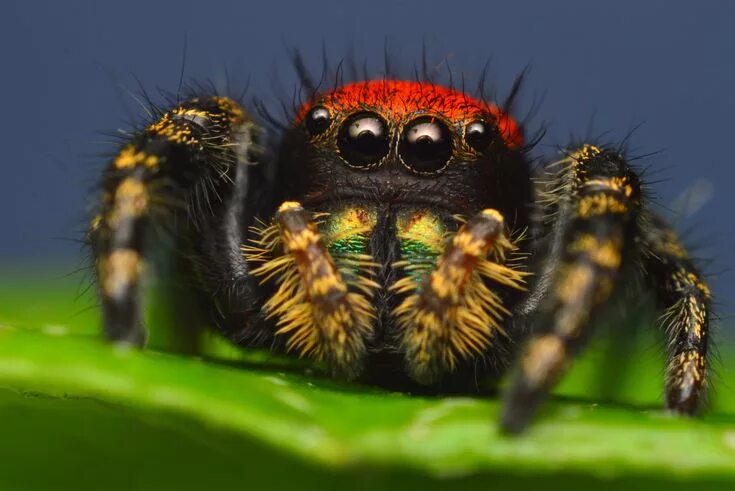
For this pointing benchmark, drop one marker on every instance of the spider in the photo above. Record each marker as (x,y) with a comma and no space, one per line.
(401,232)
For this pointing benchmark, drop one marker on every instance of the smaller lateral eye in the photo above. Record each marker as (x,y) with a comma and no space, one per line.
(479,135)
(318,120)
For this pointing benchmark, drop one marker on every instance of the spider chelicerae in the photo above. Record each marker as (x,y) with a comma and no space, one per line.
(399,233)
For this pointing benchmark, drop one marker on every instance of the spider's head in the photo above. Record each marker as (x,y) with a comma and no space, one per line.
(400,141)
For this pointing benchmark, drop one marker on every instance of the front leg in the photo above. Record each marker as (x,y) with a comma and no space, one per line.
(322,315)
(597,196)
(180,170)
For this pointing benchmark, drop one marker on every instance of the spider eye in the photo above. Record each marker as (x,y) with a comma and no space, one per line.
(478,135)
(363,140)
(318,120)
(426,145)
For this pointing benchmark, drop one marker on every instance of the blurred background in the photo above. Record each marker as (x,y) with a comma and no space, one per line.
(72,72)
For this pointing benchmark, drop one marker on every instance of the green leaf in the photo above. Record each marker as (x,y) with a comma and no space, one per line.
(79,413)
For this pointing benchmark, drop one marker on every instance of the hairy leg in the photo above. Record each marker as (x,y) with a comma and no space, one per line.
(685,299)
(180,169)
(597,198)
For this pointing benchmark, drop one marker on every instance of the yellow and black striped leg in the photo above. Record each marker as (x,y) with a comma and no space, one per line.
(453,314)
(598,201)
(178,169)
(117,237)
(322,315)
(685,298)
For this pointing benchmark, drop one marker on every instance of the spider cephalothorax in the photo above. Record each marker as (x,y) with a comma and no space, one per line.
(398,230)
(399,162)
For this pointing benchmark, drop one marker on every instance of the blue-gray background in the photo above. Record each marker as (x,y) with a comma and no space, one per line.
(66,79)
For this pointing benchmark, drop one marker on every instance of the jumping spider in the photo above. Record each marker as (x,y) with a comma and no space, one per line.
(397,232)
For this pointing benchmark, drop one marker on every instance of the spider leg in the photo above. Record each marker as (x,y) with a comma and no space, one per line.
(185,163)
(598,197)
(685,299)
(321,314)
(453,314)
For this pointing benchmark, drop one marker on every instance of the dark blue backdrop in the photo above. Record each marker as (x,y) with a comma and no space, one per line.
(67,65)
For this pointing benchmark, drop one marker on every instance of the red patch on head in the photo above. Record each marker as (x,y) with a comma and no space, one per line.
(399,99)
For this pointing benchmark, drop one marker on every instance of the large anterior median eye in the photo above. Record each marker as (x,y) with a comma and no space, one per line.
(426,145)
(363,140)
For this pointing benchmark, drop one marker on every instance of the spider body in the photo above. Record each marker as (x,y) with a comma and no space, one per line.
(356,155)
(398,234)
